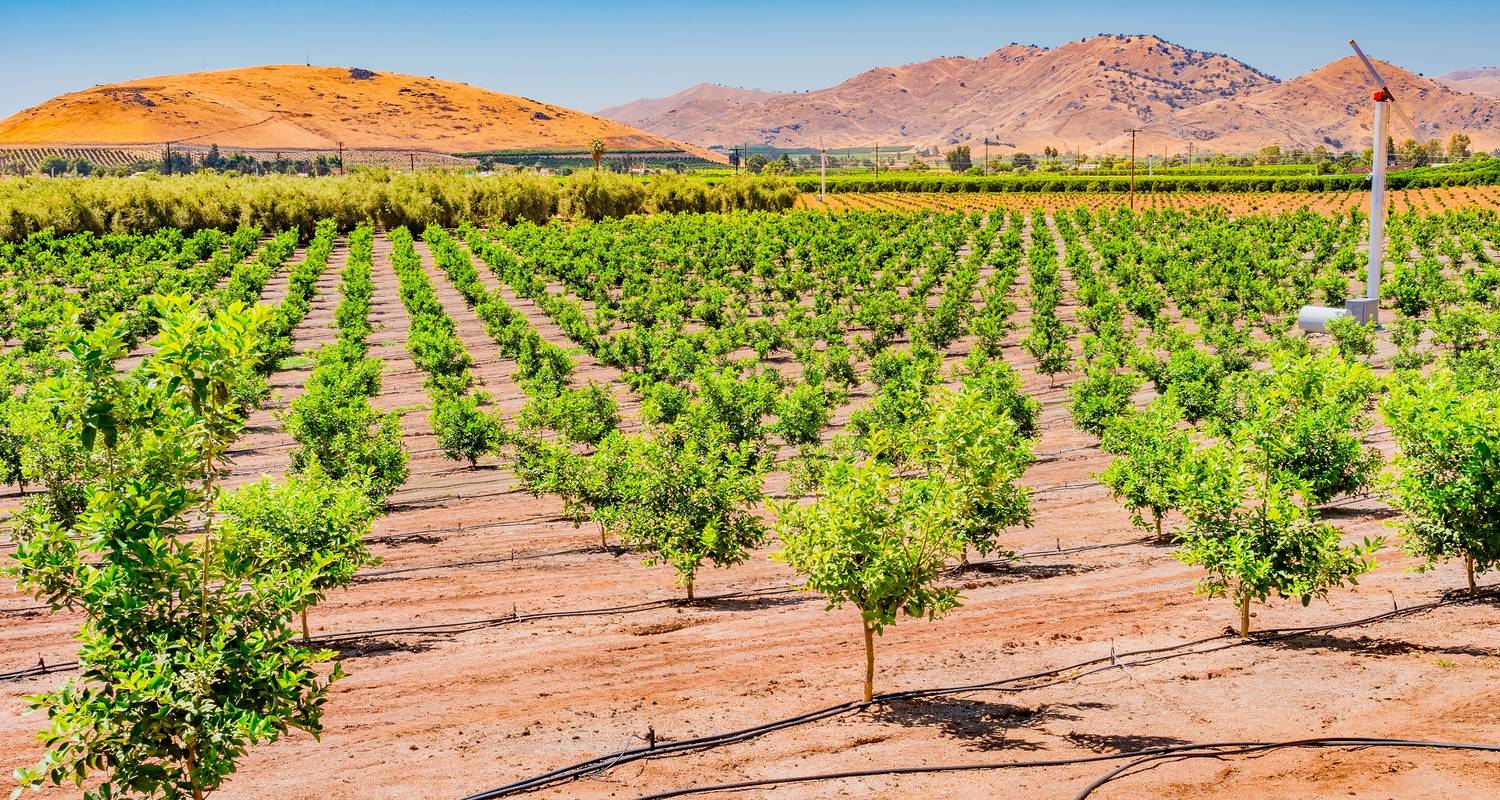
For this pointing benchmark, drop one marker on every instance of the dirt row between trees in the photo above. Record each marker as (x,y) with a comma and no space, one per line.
(446,715)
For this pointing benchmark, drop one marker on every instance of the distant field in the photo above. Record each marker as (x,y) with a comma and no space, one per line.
(1426,200)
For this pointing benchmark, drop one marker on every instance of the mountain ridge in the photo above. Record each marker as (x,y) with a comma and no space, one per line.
(1079,96)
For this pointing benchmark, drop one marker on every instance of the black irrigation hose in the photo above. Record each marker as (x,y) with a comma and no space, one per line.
(536,520)
(375,575)
(443,628)
(447,628)
(1035,680)
(1140,757)
(1242,748)
(41,668)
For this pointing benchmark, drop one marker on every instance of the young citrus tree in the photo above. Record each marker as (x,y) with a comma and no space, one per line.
(1308,416)
(1150,448)
(1250,527)
(186,660)
(968,439)
(1447,481)
(268,525)
(685,497)
(877,541)
(1102,396)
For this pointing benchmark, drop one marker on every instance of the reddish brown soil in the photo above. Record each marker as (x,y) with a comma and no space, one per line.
(444,716)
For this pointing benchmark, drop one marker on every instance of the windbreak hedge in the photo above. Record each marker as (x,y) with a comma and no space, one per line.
(1472,174)
(383,199)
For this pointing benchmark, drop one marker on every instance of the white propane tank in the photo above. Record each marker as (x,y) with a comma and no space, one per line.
(1315,319)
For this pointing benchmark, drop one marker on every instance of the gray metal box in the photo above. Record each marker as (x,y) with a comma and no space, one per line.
(1365,310)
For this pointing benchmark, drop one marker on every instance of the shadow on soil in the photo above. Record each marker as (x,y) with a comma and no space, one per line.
(378,647)
(753,603)
(980,724)
(1374,646)
(1353,512)
(1123,743)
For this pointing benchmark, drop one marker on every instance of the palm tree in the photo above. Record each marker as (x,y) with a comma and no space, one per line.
(596,152)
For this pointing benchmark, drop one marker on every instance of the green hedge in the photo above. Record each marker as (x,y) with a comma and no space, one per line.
(1470,174)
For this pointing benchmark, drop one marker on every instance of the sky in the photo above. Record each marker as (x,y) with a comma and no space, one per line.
(587,55)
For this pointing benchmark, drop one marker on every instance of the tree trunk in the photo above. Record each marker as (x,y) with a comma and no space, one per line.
(869,661)
(1158,525)
(690,590)
(1469,568)
(603,536)
(306,637)
(1245,616)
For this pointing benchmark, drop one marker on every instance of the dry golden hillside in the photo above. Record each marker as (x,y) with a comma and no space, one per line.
(1072,97)
(1484,81)
(297,107)
(1331,106)
(1080,96)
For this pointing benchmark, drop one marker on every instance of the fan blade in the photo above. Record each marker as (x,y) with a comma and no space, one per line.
(1379,81)
(1381,84)
(1405,120)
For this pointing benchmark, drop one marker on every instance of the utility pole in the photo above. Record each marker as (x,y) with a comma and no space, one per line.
(413,157)
(986,155)
(341,158)
(169,158)
(877,159)
(823,175)
(1132,132)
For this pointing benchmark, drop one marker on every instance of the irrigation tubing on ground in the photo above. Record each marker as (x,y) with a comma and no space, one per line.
(1137,758)
(1050,677)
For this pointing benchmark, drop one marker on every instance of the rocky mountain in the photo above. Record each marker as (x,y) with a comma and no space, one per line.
(1331,106)
(1081,96)
(1485,81)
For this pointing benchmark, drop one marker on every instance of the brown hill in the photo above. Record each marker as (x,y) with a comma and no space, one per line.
(1484,81)
(315,107)
(707,96)
(1072,97)
(1331,106)
(1081,96)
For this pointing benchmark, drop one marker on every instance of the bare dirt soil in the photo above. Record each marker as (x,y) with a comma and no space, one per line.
(449,714)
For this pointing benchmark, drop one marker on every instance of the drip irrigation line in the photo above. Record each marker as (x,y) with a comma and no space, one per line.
(445,628)
(482,562)
(1140,757)
(1070,673)
(386,537)
(40,668)
(1221,749)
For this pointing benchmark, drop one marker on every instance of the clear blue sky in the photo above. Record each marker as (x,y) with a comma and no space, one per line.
(588,54)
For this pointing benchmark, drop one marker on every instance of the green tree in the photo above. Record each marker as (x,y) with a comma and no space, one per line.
(1353,339)
(1308,417)
(463,429)
(959,158)
(877,541)
(1150,449)
(756,162)
(53,165)
(1458,147)
(186,660)
(1102,396)
(269,526)
(1447,481)
(1048,343)
(685,497)
(1250,527)
(968,439)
